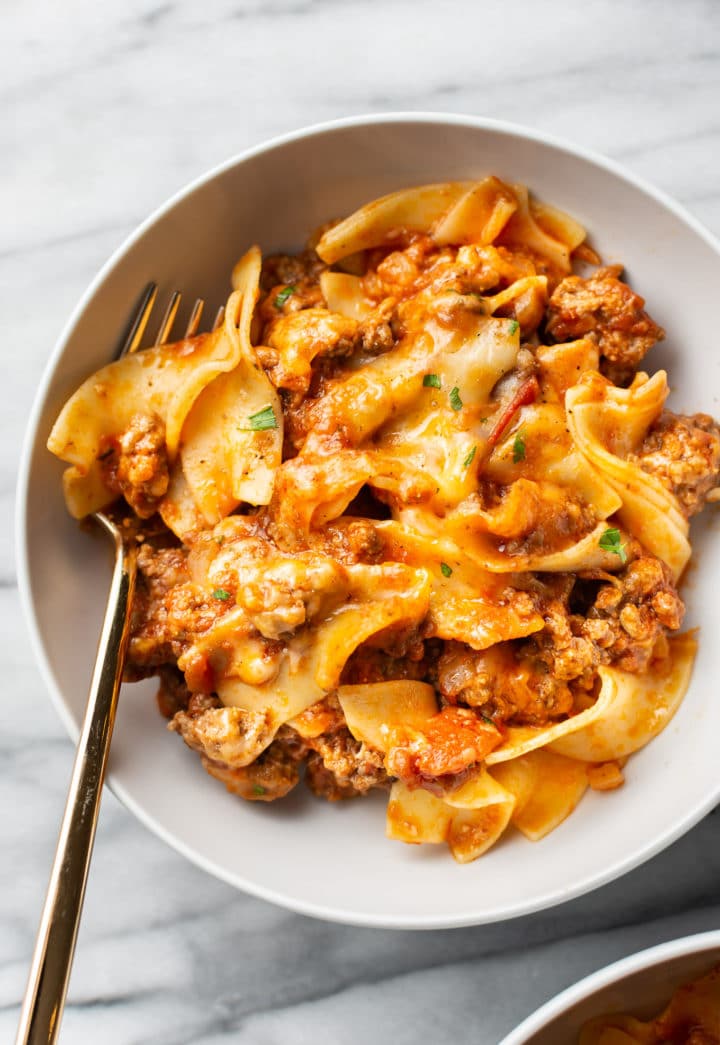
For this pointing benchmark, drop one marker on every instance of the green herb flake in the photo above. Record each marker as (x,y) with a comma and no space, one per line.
(258,789)
(611,541)
(513,328)
(445,569)
(221,594)
(485,718)
(470,458)
(455,400)
(432,381)
(284,294)
(518,448)
(263,420)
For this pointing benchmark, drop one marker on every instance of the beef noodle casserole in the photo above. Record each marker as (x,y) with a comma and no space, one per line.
(412,518)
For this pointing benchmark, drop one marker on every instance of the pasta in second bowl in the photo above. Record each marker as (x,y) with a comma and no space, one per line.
(456,565)
(666,994)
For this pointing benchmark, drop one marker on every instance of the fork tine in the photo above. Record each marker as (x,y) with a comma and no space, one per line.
(139,321)
(219,317)
(168,319)
(194,321)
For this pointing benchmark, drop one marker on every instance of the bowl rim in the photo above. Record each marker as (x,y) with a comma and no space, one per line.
(560,894)
(606,976)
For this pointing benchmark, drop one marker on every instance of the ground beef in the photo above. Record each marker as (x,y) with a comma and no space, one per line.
(538,680)
(629,618)
(351,541)
(227,735)
(162,568)
(233,748)
(172,695)
(338,766)
(290,269)
(684,454)
(168,610)
(135,464)
(605,310)
(377,333)
(271,776)
(502,684)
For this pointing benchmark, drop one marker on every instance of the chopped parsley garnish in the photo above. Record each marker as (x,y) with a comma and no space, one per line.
(611,541)
(445,569)
(263,420)
(432,381)
(220,593)
(485,718)
(470,458)
(284,294)
(258,789)
(518,448)
(512,330)
(455,400)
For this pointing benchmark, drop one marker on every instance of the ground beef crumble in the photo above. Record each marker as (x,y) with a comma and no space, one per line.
(135,465)
(604,309)
(684,454)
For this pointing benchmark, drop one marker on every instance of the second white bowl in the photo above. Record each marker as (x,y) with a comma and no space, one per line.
(641,986)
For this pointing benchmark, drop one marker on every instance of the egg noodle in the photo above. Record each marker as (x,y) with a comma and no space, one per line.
(411,518)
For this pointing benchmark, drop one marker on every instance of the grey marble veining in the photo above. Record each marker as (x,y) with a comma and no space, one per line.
(105,110)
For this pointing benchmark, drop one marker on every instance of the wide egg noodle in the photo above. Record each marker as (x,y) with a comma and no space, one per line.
(344,294)
(468,529)
(550,455)
(427,435)
(640,707)
(225,461)
(546,787)
(470,819)
(379,597)
(416,816)
(483,212)
(466,603)
(178,509)
(312,491)
(519,740)
(372,709)
(543,229)
(479,216)
(472,359)
(161,382)
(608,424)
(416,210)
(538,487)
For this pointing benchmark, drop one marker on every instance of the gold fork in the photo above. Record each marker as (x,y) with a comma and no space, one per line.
(55,945)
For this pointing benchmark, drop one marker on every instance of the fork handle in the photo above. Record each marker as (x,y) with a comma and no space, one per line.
(55,945)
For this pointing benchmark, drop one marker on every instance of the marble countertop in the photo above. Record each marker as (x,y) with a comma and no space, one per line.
(106,110)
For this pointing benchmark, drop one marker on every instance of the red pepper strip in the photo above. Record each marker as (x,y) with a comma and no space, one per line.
(527,393)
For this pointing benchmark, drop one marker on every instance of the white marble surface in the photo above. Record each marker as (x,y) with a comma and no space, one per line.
(106,110)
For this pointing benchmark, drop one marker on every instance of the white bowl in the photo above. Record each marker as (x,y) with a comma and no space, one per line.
(640,985)
(333,861)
